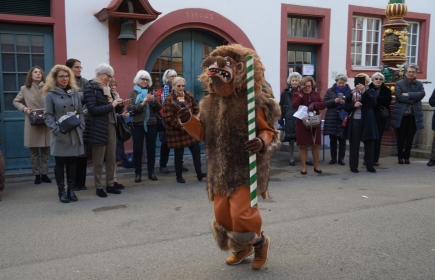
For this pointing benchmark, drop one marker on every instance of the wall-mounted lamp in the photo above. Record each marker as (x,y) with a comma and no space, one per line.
(125,35)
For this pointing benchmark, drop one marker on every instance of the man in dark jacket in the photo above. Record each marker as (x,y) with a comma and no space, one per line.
(407,116)
(432,154)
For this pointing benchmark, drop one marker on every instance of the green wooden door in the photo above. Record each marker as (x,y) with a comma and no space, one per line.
(184,52)
(21,47)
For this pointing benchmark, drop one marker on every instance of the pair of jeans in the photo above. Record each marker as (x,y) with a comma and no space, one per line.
(150,136)
(333,139)
(196,156)
(405,136)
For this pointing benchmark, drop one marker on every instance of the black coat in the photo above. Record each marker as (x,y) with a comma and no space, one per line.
(432,103)
(332,124)
(369,129)
(416,93)
(383,100)
(97,119)
(287,112)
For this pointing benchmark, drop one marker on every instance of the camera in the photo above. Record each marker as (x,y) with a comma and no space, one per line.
(131,113)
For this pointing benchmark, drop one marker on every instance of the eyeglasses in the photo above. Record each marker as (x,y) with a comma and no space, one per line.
(145,80)
(378,79)
(411,72)
(63,77)
(78,67)
(181,86)
(108,76)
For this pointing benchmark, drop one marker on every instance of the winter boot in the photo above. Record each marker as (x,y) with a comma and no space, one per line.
(261,252)
(60,181)
(71,180)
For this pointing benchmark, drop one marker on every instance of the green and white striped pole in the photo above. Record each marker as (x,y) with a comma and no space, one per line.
(251,130)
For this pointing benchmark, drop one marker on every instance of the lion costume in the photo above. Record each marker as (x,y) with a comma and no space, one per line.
(222,124)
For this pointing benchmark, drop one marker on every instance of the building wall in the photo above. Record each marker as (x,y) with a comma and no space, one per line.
(87,38)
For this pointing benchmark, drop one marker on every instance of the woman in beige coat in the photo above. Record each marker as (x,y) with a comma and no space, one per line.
(37,137)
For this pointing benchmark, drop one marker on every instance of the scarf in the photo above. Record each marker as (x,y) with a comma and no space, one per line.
(142,93)
(356,94)
(340,90)
(105,88)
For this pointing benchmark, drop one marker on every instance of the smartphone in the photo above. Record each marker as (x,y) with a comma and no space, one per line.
(340,96)
(359,80)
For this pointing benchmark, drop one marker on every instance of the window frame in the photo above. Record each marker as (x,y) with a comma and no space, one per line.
(423,41)
(364,43)
(416,45)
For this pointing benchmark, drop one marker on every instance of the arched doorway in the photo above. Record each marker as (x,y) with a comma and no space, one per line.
(184,52)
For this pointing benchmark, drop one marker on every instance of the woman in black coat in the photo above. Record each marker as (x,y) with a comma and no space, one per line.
(361,124)
(383,101)
(334,100)
(100,129)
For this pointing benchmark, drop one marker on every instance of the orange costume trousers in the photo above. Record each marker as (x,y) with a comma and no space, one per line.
(235,213)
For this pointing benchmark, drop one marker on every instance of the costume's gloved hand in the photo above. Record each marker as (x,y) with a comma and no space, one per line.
(184,114)
(311,107)
(255,145)
(281,122)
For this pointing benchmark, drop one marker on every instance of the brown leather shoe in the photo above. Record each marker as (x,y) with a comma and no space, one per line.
(261,251)
(238,257)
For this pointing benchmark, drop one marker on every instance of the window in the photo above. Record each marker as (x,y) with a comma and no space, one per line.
(301,27)
(366,41)
(171,58)
(19,52)
(39,8)
(413,37)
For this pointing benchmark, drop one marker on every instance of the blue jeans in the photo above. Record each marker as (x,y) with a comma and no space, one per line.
(150,136)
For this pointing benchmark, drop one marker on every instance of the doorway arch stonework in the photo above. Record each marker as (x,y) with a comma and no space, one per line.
(189,18)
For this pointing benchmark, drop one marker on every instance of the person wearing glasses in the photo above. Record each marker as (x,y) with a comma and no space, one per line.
(305,137)
(167,79)
(62,98)
(82,161)
(177,136)
(144,106)
(334,101)
(407,115)
(361,124)
(383,101)
(100,129)
(36,137)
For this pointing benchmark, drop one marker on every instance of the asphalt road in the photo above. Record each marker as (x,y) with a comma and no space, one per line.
(337,225)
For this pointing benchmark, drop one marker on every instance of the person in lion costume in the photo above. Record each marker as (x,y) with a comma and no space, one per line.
(222,123)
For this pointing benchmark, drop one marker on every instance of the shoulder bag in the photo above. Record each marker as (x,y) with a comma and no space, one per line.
(123,130)
(385,113)
(311,122)
(69,121)
(161,125)
(36,117)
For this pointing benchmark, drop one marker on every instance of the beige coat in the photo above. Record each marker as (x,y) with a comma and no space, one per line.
(38,135)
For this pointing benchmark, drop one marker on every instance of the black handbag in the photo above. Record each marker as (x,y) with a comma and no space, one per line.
(161,125)
(385,113)
(123,130)
(69,121)
(36,117)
